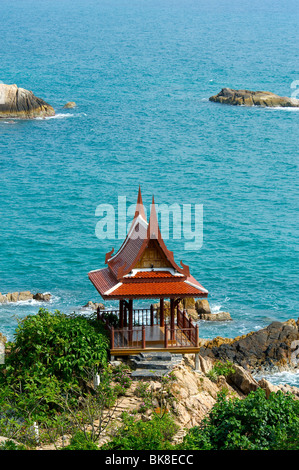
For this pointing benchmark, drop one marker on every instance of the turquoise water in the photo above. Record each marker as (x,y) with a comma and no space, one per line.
(141,73)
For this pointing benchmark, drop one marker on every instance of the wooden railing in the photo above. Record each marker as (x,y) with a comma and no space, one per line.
(184,334)
(125,338)
(188,328)
(141,316)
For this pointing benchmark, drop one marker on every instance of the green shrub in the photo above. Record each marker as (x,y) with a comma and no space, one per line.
(11,445)
(221,368)
(253,423)
(80,441)
(155,434)
(55,344)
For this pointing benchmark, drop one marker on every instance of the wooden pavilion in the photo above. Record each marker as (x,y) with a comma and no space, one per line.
(143,268)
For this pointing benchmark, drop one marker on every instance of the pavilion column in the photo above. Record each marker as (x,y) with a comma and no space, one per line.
(125,314)
(161,312)
(172,319)
(121,314)
(130,319)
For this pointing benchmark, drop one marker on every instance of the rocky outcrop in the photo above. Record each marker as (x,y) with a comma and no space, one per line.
(23,104)
(266,349)
(23,296)
(253,98)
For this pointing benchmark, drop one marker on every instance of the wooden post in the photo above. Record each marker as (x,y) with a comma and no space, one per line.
(190,328)
(162,312)
(125,316)
(98,313)
(130,320)
(121,314)
(166,337)
(197,336)
(172,319)
(112,337)
(152,315)
(143,337)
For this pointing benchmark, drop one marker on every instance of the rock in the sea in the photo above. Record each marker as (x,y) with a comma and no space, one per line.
(253,98)
(42,297)
(70,105)
(94,305)
(268,348)
(24,295)
(202,306)
(19,103)
(220,316)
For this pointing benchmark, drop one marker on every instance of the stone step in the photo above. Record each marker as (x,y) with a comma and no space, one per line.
(155,356)
(150,374)
(152,364)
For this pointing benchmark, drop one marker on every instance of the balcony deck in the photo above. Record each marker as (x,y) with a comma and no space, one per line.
(149,335)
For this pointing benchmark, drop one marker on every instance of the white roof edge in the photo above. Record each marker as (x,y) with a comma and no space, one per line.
(112,288)
(95,270)
(202,289)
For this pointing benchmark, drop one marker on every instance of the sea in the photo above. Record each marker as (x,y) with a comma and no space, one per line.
(141,73)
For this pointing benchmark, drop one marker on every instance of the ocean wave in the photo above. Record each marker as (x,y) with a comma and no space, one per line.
(60,116)
(281,378)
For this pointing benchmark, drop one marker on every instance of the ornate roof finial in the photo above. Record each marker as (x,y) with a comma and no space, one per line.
(139,206)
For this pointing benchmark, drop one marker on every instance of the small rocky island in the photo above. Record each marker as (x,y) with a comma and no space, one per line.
(19,103)
(253,98)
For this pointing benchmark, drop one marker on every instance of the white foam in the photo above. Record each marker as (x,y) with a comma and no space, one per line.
(216,308)
(60,116)
(281,378)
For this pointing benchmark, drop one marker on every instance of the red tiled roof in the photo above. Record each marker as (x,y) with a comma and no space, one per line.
(111,283)
(102,279)
(128,251)
(156,289)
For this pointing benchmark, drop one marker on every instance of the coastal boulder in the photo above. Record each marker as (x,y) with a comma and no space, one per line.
(253,98)
(242,380)
(19,103)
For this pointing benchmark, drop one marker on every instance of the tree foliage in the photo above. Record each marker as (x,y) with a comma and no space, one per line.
(57,344)
(253,423)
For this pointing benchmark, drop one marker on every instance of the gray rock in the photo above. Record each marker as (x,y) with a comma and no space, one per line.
(253,98)
(23,104)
